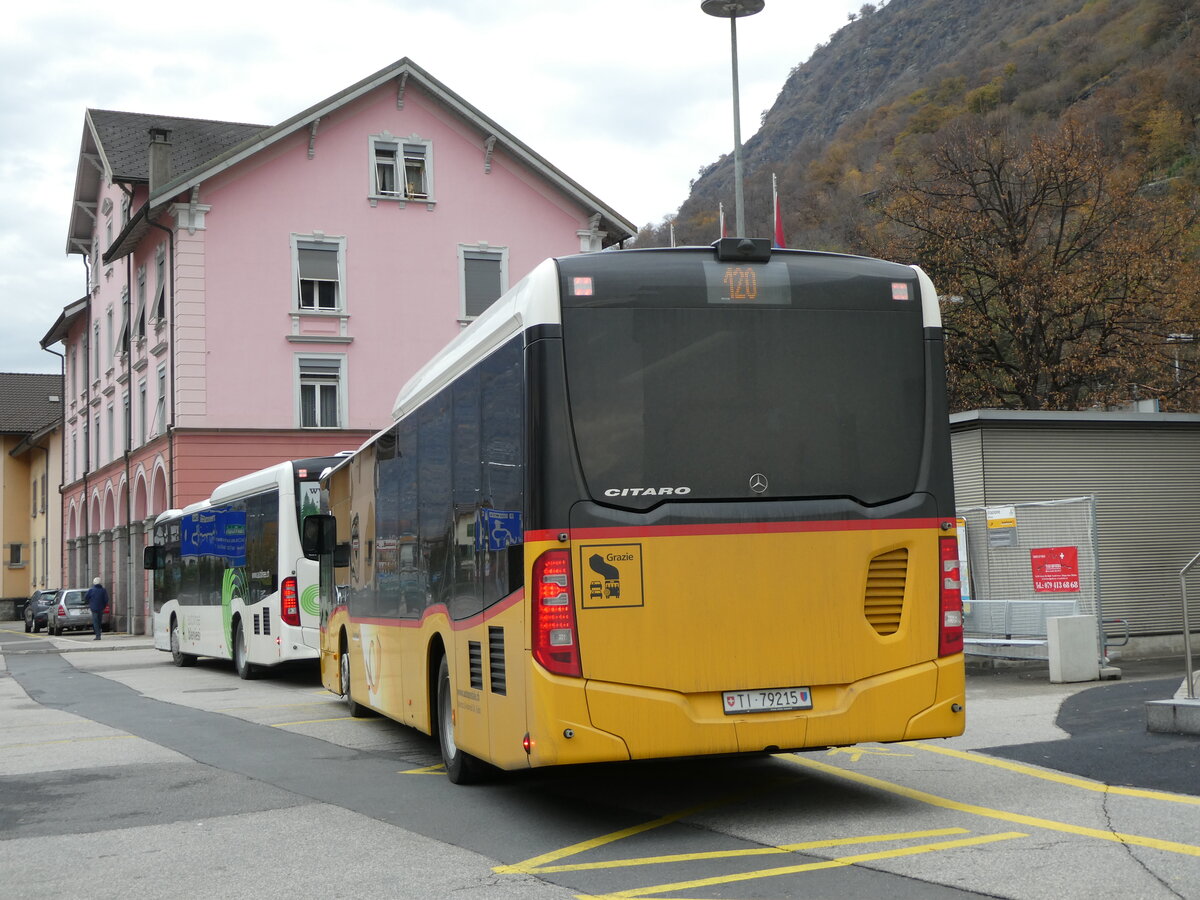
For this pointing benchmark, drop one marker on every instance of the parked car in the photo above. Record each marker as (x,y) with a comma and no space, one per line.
(35,609)
(70,612)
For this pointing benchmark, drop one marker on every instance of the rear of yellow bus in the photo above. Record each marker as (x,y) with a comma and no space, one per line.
(740,531)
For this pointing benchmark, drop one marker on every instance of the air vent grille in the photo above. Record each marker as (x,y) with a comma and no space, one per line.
(496,659)
(475,650)
(883,602)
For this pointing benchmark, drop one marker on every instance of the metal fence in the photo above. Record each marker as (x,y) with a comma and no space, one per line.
(1028,562)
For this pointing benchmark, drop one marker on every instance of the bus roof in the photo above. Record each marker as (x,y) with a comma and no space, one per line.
(531,301)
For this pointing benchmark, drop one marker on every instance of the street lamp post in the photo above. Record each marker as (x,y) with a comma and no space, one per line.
(734,10)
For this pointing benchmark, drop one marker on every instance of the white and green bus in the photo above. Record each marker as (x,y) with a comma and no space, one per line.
(230,580)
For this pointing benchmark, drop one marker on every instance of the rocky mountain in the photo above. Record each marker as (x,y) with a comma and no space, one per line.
(902,72)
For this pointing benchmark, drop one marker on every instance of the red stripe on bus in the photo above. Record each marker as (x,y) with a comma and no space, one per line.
(727,528)
(456,625)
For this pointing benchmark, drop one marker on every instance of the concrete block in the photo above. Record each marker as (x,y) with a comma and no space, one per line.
(1071,643)
(1173,716)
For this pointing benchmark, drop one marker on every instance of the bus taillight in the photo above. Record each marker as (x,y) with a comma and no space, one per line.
(950,622)
(555,637)
(289,602)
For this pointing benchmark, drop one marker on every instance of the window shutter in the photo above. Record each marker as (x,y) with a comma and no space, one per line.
(482,281)
(318,261)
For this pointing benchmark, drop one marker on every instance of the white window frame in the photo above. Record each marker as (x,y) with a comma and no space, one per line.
(302,379)
(387,145)
(141,436)
(123,334)
(474,251)
(404,150)
(160,402)
(139,316)
(324,243)
(159,312)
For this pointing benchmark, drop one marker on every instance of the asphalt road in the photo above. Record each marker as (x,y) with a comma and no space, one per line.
(122,776)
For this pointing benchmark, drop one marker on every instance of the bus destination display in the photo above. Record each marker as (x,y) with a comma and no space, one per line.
(750,284)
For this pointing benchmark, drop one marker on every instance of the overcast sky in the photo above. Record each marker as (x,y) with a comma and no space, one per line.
(630,98)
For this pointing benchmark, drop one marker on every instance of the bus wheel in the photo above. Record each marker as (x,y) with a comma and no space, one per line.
(461,767)
(178,656)
(354,708)
(244,668)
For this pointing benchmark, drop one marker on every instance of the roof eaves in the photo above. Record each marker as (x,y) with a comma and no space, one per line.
(62,325)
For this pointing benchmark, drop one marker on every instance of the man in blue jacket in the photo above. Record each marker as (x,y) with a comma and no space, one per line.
(97,601)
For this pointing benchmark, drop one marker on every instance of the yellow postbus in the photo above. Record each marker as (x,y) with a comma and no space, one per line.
(658,503)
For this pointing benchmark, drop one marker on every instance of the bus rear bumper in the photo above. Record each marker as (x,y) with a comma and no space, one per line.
(915,702)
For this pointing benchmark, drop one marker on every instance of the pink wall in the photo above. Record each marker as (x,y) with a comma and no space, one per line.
(402,278)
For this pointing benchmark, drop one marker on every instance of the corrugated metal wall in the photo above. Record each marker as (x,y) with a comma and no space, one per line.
(966,450)
(1144,471)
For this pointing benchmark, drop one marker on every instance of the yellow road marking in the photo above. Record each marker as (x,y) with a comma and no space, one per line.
(312,721)
(858,751)
(535,863)
(756,851)
(439,769)
(1016,818)
(1058,777)
(103,737)
(806,867)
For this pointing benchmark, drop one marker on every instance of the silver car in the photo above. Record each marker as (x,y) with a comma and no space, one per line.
(70,612)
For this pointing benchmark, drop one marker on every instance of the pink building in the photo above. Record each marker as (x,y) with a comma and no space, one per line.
(260,293)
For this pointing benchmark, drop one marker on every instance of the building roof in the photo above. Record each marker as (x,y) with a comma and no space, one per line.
(114,147)
(29,403)
(1028,418)
(118,142)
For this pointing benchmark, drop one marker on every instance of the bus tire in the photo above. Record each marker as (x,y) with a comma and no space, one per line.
(356,709)
(245,669)
(178,656)
(461,767)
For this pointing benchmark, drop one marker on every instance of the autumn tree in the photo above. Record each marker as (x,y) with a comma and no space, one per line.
(1065,283)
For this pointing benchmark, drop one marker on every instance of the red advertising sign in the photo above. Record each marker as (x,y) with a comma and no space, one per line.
(1055,569)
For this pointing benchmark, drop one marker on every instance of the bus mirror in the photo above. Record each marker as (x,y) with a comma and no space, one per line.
(152,557)
(341,555)
(320,532)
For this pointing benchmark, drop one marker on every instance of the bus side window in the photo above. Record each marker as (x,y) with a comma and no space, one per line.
(502,445)
(436,526)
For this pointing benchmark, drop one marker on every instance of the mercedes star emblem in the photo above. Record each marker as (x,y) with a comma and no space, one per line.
(758,482)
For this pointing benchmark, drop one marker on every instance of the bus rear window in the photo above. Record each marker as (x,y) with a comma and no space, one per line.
(820,397)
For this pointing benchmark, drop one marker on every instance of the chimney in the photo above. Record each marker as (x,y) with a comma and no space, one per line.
(160,158)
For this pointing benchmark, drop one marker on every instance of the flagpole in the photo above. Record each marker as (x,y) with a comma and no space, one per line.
(777,215)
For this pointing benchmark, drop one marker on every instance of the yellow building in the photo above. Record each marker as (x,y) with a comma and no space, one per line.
(31,465)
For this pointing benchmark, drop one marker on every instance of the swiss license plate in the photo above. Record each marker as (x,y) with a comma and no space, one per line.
(770,700)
